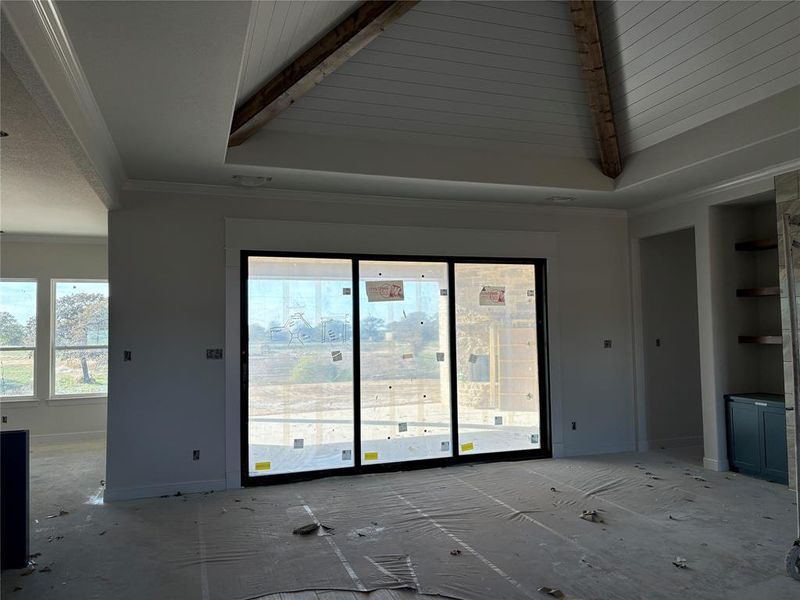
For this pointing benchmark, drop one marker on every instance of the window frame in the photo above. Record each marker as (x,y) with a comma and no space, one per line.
(543,362)
(35,349)
(53,348)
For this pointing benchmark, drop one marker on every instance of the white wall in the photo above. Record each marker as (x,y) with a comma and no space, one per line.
(169,268)
(669,313)
(725,365)
(44,258)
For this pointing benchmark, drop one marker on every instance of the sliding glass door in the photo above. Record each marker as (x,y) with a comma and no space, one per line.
(405,374)
(299,365)
(497,328)
(351,363)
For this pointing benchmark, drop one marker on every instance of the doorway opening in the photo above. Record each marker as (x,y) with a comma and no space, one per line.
(673,406)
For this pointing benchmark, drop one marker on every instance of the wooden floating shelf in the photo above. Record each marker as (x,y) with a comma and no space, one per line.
(758,292)
(756,245)
(760,339)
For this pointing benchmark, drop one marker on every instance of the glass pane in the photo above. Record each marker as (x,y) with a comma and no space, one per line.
(16,372)
(300,367)
(17,314)
(81,313)
(81,371)
(496,343)
(405,373)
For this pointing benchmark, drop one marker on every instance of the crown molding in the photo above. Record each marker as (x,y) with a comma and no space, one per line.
(222,191)
(725,191)
(43,238)
(43,57)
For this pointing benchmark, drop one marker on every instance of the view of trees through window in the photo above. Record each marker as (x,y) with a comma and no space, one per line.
(17,338)
(80,356)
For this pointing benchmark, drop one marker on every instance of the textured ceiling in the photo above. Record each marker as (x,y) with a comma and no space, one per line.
(41,188)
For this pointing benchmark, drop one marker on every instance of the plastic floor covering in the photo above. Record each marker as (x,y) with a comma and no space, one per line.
(485,531)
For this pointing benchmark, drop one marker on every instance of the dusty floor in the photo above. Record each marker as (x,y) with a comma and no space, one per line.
(497,531)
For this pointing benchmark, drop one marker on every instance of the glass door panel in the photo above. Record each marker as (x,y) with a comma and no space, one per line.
(497,358)
(300,365)
(405,362)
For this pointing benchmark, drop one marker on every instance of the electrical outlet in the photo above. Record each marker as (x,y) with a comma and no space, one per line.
(606,343)
(127,356)
(574,425)
(658,342)
(195,454)
(5,419)
(214,354)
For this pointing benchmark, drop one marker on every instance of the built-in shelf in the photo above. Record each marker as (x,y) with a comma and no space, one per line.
(758,292)
(760,339)
(755,245)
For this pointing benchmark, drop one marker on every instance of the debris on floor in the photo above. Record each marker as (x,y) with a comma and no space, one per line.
(455,552)
(45,569)
(102,532)
(310,528)
(61,513)
(554,592)
(592,515)
(251,509)
(680,563)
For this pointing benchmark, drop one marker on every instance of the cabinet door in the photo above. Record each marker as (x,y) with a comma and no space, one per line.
(744,437)
(772,421)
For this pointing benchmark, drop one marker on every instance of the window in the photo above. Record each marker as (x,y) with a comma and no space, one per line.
(498,358)
(80,338)
(405,374)
(352,364)
(17,338)
(300,365)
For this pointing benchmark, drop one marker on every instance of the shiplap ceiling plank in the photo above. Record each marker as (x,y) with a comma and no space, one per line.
(680,65)
(506,72)
(450,73)
(280,31)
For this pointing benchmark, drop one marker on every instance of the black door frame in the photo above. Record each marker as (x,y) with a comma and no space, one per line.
(545,449)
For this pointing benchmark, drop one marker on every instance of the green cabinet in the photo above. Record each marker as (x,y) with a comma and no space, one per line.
(757,435)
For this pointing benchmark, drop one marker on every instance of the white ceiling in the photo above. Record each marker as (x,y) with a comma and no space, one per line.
(41,189)
(676,65)
(459,100)
(500,76)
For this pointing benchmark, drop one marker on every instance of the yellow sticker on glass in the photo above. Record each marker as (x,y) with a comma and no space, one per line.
(370,456)
(467,447)
(263,466)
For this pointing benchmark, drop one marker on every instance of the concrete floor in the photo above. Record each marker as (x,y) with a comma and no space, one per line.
(732,530)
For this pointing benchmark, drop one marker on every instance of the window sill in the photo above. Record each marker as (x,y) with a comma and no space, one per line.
(19,401)
(76,400)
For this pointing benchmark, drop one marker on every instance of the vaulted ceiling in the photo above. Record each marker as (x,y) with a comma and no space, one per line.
(460,100)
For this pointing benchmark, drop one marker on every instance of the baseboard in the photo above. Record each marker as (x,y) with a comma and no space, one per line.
(713,464)
(113,494)
(588,450)
(677,442)
(44,439)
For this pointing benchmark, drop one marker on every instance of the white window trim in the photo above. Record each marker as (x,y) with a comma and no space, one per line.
(52,375)
(33,397)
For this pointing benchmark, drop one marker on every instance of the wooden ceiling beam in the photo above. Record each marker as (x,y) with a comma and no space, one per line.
(590,50)
(331,51)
